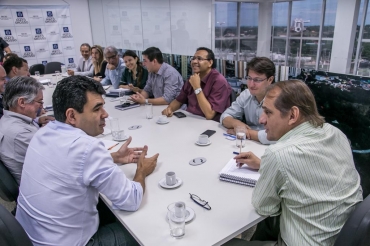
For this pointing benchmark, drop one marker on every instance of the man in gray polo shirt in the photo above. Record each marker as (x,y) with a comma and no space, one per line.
(22,100)
(164,82)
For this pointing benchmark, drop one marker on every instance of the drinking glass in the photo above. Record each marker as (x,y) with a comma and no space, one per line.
(149,110)
(37,74)
(240,133)
(57,77)
(122,97)
(117,133)
(176,214)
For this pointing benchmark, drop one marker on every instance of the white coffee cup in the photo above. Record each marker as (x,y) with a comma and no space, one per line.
(162,119)
(203,139)
(171,178)
(63,69)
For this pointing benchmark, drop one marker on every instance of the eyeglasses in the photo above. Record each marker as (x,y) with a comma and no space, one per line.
(255,80)
(193,58)
(200,202)
(111,57)
(40,102)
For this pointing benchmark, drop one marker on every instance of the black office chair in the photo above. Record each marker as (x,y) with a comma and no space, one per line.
(356,231)
(9,189)
(51,67)
(232,96)
(11,232)
(37,67)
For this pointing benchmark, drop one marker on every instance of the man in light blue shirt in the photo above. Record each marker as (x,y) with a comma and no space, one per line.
(115,67)
(247,108)
(66,168)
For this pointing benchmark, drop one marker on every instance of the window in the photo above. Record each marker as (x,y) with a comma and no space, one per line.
(236,30)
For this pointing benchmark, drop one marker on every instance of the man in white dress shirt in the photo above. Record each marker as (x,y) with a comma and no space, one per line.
(85,65)
(66,168)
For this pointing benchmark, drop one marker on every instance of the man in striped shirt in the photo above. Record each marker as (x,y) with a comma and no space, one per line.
(308,178)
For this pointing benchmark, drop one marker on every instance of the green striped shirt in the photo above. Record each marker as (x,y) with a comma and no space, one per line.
(308,177)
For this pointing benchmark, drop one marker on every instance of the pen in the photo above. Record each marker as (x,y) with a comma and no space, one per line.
(236,153)
(229,135)
(113,146)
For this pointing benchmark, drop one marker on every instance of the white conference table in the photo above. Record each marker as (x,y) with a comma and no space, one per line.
(232,211)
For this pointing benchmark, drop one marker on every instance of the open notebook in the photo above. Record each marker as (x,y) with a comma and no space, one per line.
(243,175)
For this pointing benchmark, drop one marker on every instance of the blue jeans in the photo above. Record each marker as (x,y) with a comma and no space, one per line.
(114,234)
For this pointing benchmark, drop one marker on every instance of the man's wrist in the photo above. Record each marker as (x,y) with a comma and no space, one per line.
(197,91)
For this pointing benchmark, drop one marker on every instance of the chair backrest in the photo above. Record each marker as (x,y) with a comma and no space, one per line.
(11,232)
(9,189)
(232,96)
(37,67)
(356,230)
(51,67)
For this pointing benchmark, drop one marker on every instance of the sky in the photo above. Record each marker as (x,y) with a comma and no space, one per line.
(226,13)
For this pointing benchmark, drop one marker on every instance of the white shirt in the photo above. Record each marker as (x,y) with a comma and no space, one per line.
(63,173)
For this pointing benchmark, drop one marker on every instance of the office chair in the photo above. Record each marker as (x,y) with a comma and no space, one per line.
(356,230)
(37,67)
(51,67)
(11,232)
(9,189)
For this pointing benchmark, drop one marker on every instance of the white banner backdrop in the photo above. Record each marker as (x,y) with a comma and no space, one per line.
(39,34)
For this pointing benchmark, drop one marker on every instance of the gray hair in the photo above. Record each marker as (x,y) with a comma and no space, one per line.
(17,87)
(110,49)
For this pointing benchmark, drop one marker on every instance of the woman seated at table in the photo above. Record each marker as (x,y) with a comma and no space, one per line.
(134,76)
(98,62)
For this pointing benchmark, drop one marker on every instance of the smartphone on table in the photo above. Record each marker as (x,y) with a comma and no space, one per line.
(209,132)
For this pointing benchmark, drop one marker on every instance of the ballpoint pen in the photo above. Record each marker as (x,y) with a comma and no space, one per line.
(113,146)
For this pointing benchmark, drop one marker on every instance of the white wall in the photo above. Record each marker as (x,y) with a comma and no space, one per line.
(174,26)
(79,11)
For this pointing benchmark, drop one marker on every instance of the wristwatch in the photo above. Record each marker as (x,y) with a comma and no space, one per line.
(146,101)
(197,91)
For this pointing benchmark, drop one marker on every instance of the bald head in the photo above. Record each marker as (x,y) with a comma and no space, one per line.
(2,79)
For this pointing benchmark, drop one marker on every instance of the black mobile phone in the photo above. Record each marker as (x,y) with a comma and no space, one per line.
(209,132)
(179,114)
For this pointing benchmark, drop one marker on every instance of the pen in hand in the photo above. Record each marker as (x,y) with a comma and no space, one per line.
(113,146)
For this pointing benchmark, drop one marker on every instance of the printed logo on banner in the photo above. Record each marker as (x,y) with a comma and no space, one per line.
(50,18)
(68,47)
(20,19)
(56,50)
(8,36)
(27,52)
(66,33)
(39,35)
(71,63)
(44,62)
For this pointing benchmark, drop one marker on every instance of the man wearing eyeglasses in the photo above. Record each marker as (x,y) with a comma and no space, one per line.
(115,67)
(2,88)
(247,108)
(207,92)
(22,100)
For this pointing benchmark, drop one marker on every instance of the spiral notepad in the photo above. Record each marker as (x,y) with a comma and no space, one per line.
(243,175)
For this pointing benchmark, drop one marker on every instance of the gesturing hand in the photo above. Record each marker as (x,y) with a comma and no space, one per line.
(194,80)
(248,158)
(127,155)
(167,112)
(138,98)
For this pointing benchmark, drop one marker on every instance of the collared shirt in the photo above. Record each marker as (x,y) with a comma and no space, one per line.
(84,67)
(308,177)
(127,78)
(166,83)
(63,173)
(113,77)
(215,88)
(248,106)
(16,132)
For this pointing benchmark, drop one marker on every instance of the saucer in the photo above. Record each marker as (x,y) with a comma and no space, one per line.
(205,144)
(122,139)
(162,123)
(162,183)
(190,215)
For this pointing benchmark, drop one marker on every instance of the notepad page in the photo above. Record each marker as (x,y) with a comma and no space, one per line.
(243,172)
